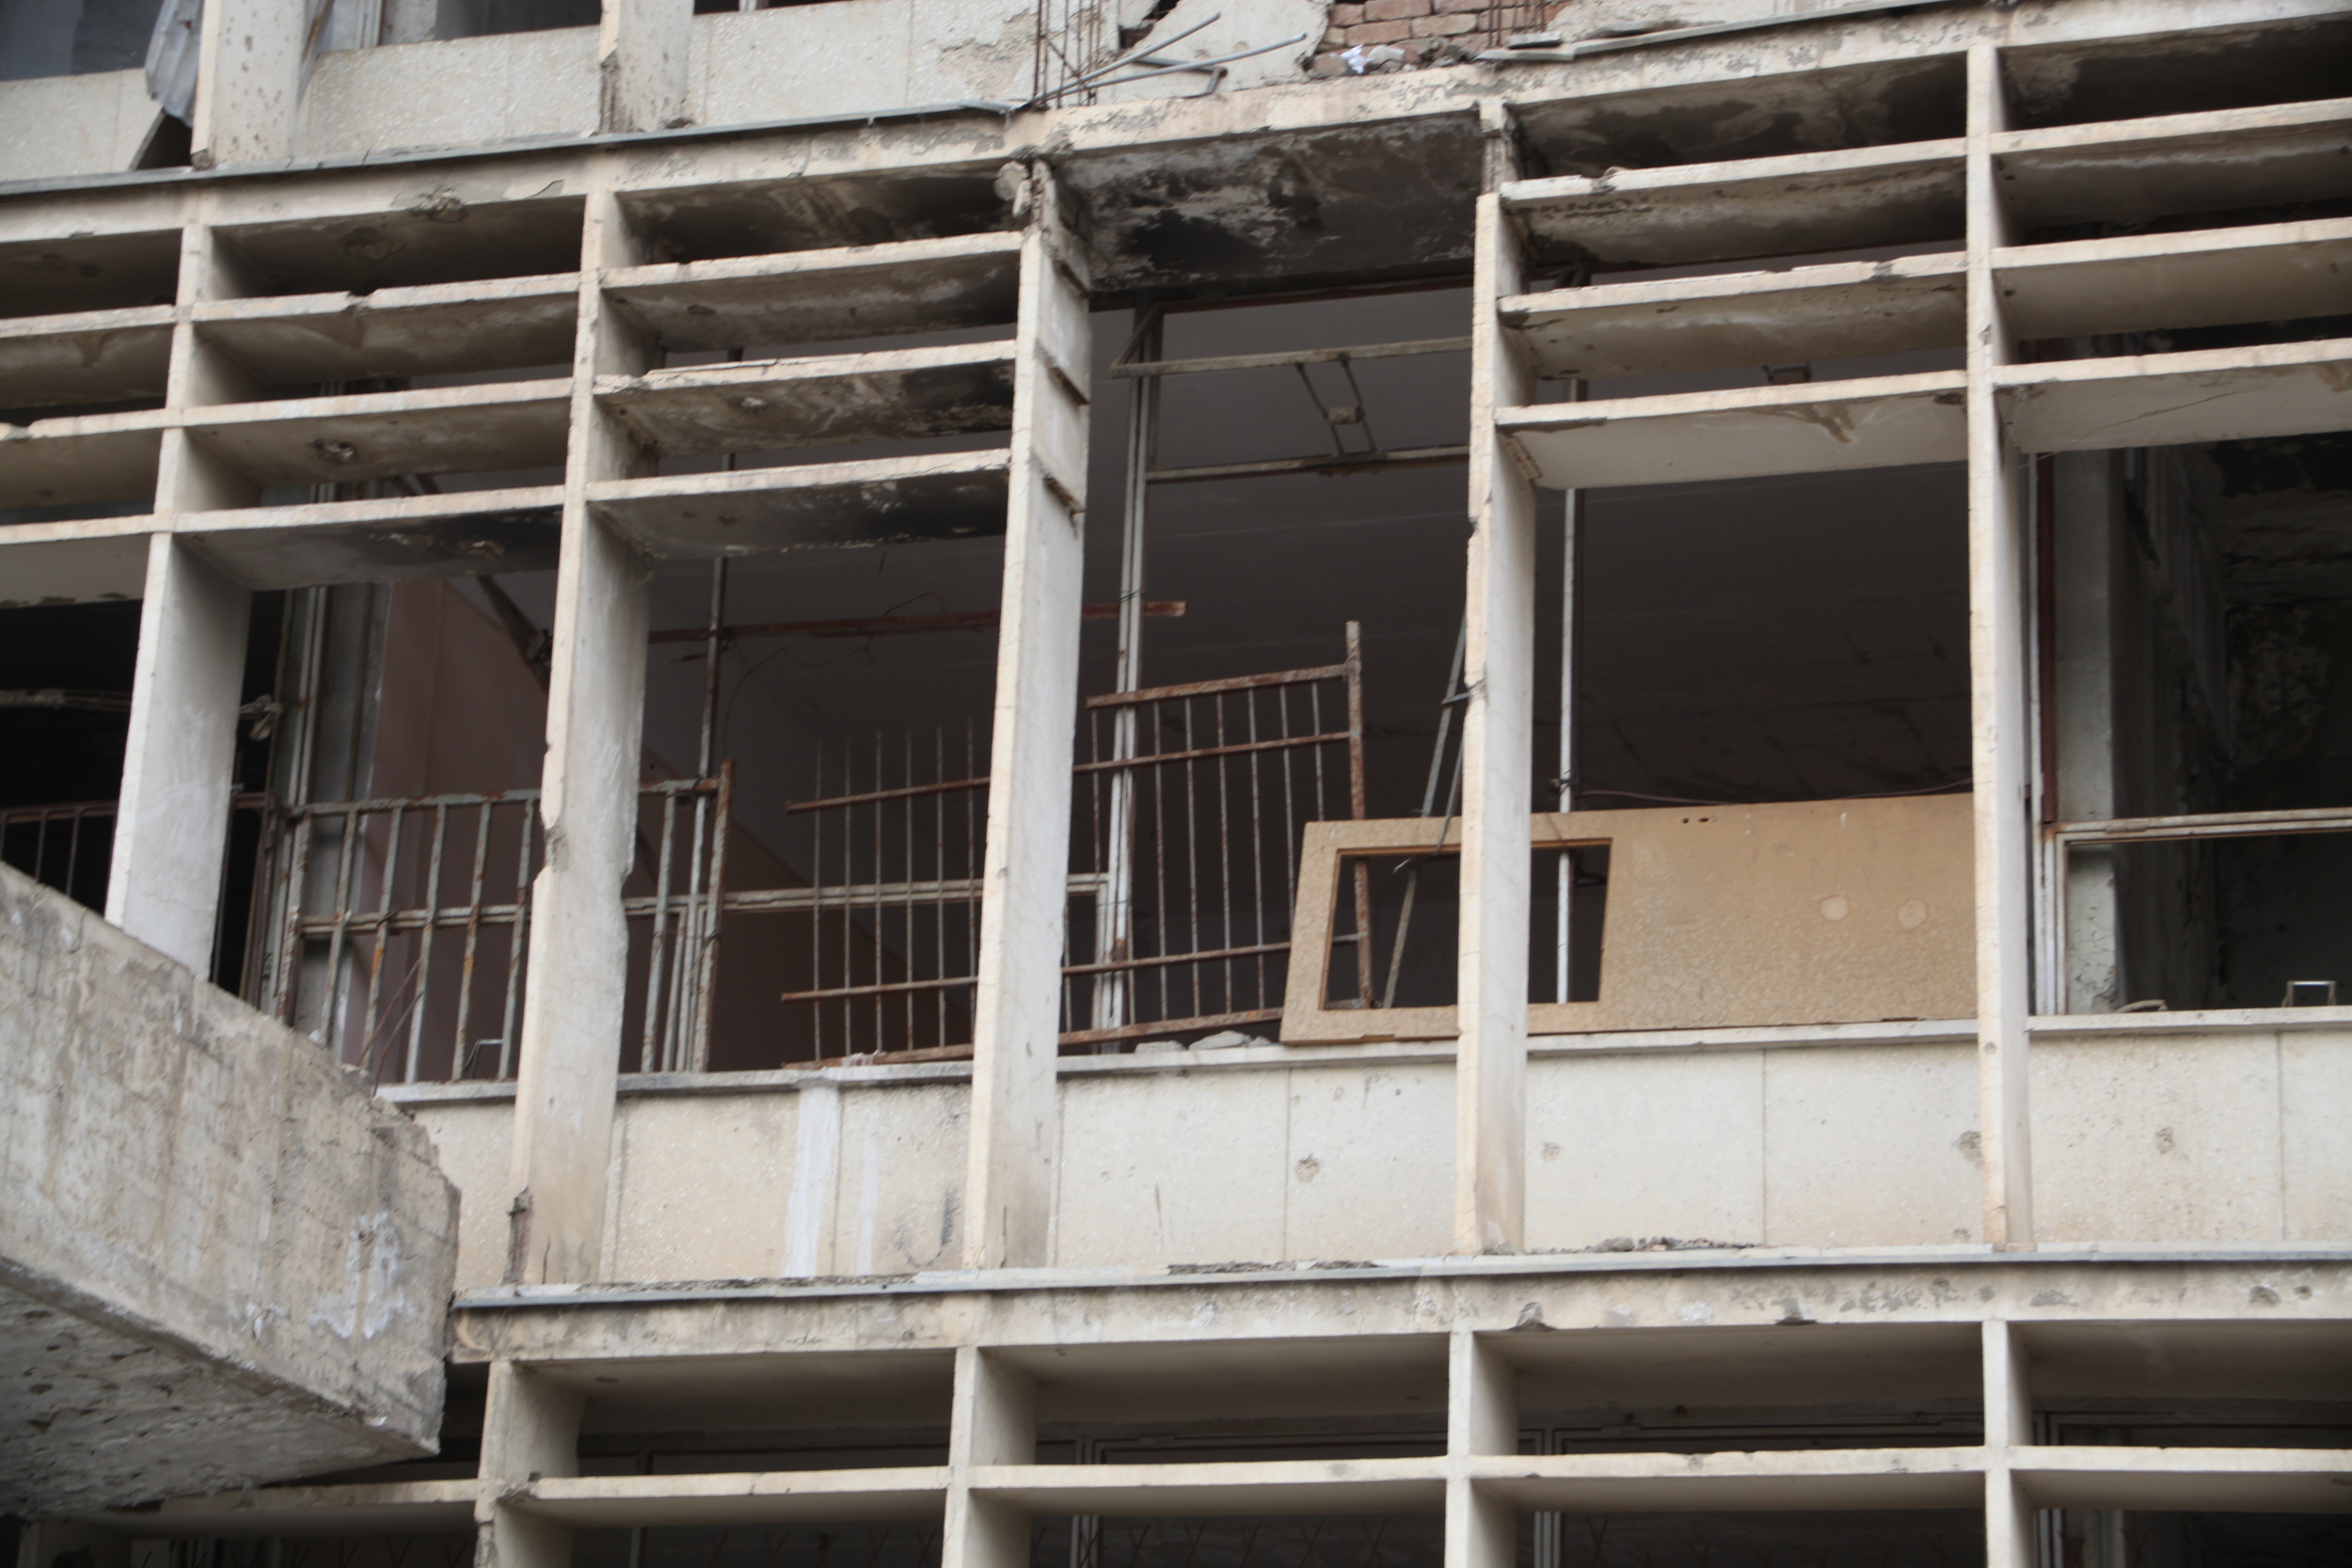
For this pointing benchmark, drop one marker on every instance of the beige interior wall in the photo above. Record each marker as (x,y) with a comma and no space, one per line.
(473,1139)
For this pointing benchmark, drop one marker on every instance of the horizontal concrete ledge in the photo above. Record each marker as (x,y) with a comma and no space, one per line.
(983,1281)
(751,1499)
(1793,1037)
(390,1508)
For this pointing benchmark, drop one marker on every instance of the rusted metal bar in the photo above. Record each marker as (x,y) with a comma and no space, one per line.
(1140,370)
(709,980)
(886,988)
(1356,803)
(1204,689)
(1203,753)
(1170,1027)
(1213,956)
(876,796)
(424,940)
(897,626)
(460,1057)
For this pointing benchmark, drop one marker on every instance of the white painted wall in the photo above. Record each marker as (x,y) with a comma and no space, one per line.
(2183,1137)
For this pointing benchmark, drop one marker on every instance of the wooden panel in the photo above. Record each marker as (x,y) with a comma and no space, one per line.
(1817,911)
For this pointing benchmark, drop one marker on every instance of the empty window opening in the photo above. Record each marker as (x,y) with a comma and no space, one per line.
(392,905)
(2197,642)
(45,38)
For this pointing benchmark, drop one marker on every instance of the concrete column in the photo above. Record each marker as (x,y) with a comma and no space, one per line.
(994,1422)
(2008,1515)
(530,1429)
(1498,763)
(171,831)
(1017,1001)
(2001,741)
(249,85)
(171,827)
(1481,1418)
(569,1064)
(2086,519)
(641,64)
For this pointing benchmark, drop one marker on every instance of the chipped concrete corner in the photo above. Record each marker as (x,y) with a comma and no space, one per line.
(223,1261)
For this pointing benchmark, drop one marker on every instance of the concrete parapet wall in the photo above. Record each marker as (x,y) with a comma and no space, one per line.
(2166,1137)
(223,1262)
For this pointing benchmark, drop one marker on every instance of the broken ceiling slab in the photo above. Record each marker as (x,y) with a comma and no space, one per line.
(1843,310)
(819,296)
(749,511)
(388,539)
(2172,163)
(751,216)
(801,402)
(1780,114)
(74,563)
(1909,194)
(80,458)
(95,356)
(2157,400)
(440,233)
(495,426)
(89,272)
(1813,427)
(2143,282)
(503,323)
(1255,210)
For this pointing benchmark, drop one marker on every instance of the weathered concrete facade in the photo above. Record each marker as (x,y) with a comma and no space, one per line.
(1831,1105)
(223,1262)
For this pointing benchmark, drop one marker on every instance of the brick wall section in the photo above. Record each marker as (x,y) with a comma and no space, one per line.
(1428,32)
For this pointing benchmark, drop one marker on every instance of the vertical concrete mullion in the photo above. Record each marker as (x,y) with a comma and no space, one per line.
(2008,1515)
(1017,999)
(171,821)
(569,1063)
(1482,1420)
(2000,744)
(249,91)
(1498,759)
(530,1429)
(642,64)
(994,1422)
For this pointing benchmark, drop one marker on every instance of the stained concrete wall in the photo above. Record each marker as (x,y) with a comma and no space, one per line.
(222,1261)
(456,92)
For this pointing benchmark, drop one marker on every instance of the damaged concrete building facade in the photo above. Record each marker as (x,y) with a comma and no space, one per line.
(1172,786)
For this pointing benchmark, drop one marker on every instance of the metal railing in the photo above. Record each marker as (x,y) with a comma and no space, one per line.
(892,834)
(68,847)
(1194,802)
(371,894)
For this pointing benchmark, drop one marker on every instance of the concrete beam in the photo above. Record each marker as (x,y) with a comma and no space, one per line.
(1016,1006)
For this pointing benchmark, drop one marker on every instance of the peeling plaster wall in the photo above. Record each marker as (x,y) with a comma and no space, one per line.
(190,1179)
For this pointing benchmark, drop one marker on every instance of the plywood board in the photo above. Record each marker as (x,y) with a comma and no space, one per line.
(1816,912)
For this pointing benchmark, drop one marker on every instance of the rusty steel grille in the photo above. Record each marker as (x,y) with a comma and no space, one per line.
(1193,799)
(402,930)
(68,847)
